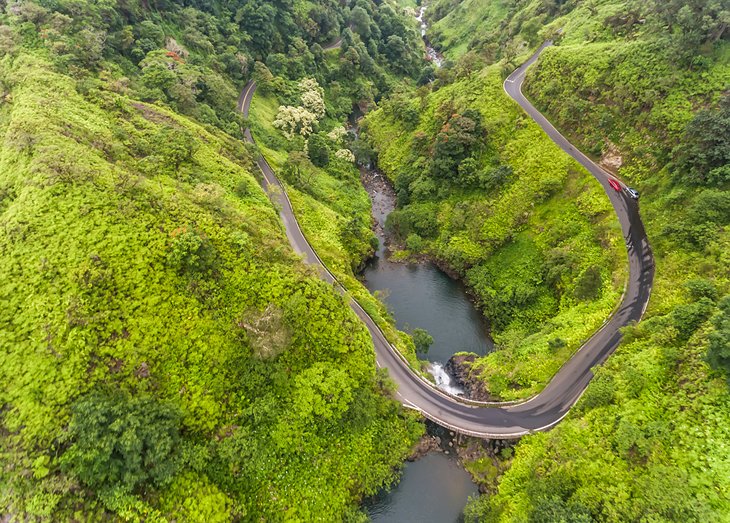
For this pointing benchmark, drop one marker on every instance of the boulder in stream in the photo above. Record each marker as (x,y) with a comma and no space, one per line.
(459,367)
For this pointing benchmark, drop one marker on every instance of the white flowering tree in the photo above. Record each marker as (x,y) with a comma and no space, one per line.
(345,154)
(301,120)
(337,134)
(295,120)
(312,96)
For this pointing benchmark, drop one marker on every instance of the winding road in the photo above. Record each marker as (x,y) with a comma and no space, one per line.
(510,419)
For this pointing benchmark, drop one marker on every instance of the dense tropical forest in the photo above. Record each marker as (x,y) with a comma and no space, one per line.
(166,356)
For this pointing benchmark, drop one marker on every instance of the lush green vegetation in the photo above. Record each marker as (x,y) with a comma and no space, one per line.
(484,191)
(298,126)
(331,206)
(641,85)
(487,31)
(163,353)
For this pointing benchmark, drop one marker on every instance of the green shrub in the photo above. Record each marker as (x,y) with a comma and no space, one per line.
(414,243)
(718,354)
(318,150)
(422,340)
(122,442)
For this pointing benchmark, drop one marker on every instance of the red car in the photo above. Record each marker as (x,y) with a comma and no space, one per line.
(613,183)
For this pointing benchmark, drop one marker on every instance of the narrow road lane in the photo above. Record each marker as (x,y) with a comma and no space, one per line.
(508,420)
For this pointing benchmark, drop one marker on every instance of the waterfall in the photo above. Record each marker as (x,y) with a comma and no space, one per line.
(443,380)
(436,58)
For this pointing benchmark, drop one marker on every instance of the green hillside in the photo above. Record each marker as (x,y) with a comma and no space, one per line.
(643,87)
(164,355)
(485,192)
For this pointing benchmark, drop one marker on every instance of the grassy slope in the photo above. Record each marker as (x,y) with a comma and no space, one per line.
(502,240)
(91,212)
(458,27)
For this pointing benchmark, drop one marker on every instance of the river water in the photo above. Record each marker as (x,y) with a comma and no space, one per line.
(433,55)
(435,488)
(420,294)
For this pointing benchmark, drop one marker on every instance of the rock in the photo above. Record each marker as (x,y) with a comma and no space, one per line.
(611,158)
(425,445)
(459,367)
(143,371)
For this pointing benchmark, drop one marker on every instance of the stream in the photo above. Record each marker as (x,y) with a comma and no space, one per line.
(420,294)
(433,55)
(435,488)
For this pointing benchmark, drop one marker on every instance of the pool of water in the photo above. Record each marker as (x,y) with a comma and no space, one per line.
(422,295)
(434,489)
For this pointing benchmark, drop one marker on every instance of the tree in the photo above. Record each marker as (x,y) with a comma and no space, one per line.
(360,21)
(589,283)
(190,253)
(318,150)
(703,157)
(295,120)
(414,242)
(177,146)
(495,179)
(346,155)
(718,354)
(122,442)
(262,76)
(422,340)
(363,151)
(454,142)
(312,97)
(397,53)
(296,169)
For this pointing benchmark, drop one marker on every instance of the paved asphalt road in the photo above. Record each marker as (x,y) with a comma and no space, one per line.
(505,420)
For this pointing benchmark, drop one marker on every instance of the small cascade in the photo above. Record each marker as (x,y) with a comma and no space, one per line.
(433,55)
(419,18)
(443,380)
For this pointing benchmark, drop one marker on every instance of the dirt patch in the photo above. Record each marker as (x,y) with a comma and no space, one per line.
(148,113)
(611,158)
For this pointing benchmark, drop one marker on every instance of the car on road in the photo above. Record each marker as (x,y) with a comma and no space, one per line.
(633,193)
(614,183)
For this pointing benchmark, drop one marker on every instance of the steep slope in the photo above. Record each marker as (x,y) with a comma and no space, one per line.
(163,353)
(641,85)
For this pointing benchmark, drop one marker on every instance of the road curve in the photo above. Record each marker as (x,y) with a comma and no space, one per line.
(507,420)
(335,44)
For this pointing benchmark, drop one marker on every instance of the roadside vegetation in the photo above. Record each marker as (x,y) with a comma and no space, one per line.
(483,191)
(642,87)
(163,354)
